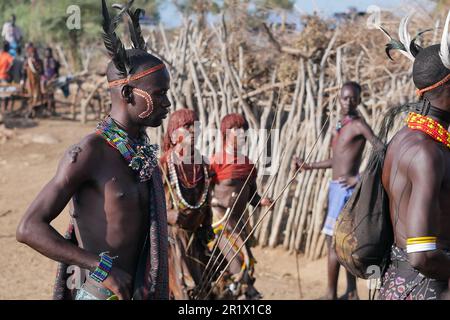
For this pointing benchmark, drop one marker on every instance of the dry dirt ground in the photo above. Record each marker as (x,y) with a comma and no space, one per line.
(29,159)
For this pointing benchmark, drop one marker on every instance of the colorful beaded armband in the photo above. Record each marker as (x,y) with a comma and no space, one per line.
(103,269)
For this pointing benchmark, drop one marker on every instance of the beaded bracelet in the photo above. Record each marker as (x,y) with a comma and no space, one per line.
(103,269)
(420,244)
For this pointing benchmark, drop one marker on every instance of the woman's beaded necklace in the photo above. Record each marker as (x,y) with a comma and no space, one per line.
(176,186)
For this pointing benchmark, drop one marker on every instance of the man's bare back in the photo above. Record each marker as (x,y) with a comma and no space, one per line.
(411,152)
(416,177)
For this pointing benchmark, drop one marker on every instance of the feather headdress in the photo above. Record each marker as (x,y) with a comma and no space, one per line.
(137,39)
(407,46)
(444,52)
(113,44)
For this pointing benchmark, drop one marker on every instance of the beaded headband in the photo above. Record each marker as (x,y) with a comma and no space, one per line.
(136,76)
(420,92)
(114,46)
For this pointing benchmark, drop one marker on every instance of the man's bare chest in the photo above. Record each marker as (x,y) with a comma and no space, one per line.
(119,184)
(346,140)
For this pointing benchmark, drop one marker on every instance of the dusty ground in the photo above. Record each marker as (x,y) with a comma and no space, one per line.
(29,159)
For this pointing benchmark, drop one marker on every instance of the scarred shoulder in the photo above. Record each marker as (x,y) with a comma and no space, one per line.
(82,159)
(429,154)
(422,154)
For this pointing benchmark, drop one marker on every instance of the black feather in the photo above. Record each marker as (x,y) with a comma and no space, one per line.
(123,9)
(385,32)
(388,49)
(394,45)
(113,45)
(135,29)
(413,47)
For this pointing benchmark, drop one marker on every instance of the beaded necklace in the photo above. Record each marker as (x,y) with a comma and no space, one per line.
(141,156)
(429,126)
(185,180)
(173,177)
(342,123)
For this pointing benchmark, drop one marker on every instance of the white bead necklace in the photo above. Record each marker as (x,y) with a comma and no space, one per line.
(175,183)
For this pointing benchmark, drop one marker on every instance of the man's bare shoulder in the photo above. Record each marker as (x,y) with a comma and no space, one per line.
(85,155)
(359,123)
(429,153)
(419,151)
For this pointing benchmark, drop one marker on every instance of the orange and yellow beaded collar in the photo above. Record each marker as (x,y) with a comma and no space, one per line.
(429,126)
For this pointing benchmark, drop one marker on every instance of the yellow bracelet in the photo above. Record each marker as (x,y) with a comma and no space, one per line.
(420,244)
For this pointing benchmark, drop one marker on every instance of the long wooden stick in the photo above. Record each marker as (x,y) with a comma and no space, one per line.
(207,273)
(265,213)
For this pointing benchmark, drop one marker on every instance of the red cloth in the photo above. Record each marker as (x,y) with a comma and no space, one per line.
(178,119)
(225,167)
(6,61)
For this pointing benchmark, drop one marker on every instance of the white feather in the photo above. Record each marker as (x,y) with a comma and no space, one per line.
(405,37)
(444,52)
(379,27)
